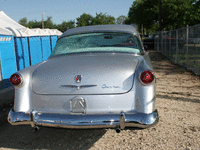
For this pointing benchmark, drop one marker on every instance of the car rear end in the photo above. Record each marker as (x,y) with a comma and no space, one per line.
(94,89)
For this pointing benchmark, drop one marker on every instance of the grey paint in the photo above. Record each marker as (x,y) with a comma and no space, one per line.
(41,91)
(110,72)
(140,98)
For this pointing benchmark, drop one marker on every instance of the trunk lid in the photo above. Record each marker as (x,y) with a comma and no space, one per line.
(108,73)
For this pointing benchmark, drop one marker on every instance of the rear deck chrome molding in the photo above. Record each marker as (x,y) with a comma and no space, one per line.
(83,121)
(78,87)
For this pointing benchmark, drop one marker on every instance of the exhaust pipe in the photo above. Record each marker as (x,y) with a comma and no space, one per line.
(118,130)
(36,129)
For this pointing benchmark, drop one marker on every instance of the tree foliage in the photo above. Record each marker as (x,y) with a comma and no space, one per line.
(101,19)
(196,13)
(121,19)
(175,13)
(143,13)
(24,21)
(83,20)
(48,23)
(66,25)
(178,13)
(35,24)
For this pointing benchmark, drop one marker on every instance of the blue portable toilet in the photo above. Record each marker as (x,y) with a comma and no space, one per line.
(27,46)
(54,37)
(33,45)
(20,41)
(35,49)
(48,38)
(46,47)
(21,47)
(45,42)
(22,52)
(7,57)
(30,46)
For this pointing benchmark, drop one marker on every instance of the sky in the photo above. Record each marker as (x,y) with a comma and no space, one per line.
(62,10)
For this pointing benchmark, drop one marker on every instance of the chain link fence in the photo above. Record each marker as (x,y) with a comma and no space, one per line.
(182,46)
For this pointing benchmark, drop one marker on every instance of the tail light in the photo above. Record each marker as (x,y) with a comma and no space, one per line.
(147,77)
(15,79)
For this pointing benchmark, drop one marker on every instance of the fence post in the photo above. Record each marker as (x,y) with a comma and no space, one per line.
(176,58)
(166,43)
(170,50)
(187,35)
(162,41)
(194,46)
(158,42)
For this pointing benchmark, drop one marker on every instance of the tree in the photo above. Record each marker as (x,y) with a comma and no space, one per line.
(121,19)
(87,19)
(24,21)
(84,20)
(101,19)
(66,25)
(34,24)
(144,13)
(175,14)
(178,13)
(49,23)
(196,16)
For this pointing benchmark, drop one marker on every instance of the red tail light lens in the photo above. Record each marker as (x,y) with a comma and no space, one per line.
(147,77)
(15,79)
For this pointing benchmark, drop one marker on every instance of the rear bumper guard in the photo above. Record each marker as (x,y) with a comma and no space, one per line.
(83,121)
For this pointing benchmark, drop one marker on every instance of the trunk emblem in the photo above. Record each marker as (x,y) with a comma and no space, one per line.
(78,78)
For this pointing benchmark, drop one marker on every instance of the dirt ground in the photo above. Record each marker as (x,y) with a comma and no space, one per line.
(178,104)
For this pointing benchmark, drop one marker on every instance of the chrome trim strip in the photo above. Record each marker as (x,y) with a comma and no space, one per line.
(78,87)
(83,121)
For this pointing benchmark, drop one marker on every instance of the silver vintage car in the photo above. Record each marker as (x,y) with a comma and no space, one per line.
(96,77)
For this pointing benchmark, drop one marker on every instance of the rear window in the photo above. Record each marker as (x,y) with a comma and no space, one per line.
(98,42)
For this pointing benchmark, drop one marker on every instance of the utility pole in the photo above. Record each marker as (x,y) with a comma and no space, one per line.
(42,21)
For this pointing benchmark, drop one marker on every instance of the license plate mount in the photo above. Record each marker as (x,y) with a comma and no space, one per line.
(78,105)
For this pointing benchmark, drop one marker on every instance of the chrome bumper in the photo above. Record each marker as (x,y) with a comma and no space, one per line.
(74,121)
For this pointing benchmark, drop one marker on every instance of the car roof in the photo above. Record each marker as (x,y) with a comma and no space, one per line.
(101,28)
